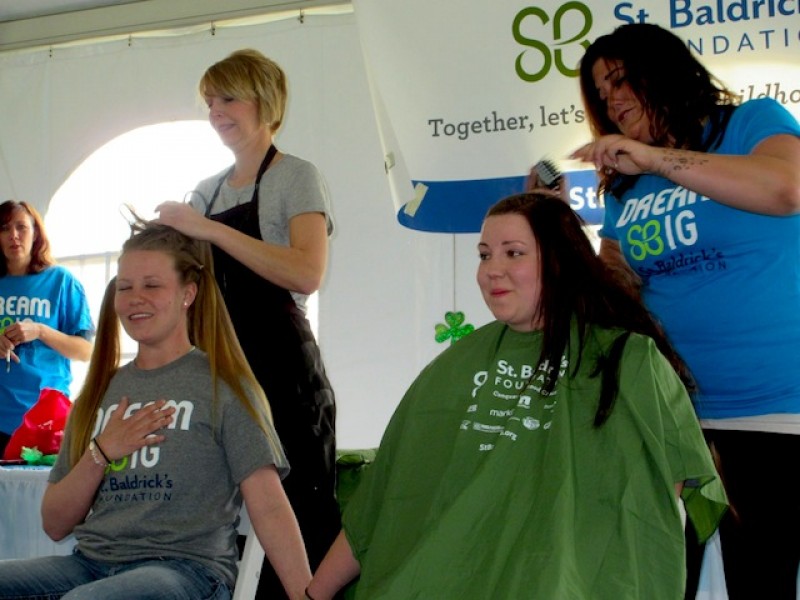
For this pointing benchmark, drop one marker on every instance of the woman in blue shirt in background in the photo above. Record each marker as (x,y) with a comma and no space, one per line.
(44,316)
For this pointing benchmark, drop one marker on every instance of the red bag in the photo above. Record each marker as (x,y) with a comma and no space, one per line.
(42,426)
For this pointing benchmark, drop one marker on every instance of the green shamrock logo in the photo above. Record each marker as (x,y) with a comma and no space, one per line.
(454,330)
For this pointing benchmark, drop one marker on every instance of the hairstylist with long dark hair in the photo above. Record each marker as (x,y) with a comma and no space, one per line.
(703,208)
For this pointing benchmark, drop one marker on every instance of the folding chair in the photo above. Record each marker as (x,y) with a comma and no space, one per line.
(250,562)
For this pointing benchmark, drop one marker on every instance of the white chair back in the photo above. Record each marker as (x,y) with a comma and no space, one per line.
(251,561)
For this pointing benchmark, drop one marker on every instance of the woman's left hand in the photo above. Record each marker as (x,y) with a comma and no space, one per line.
(185,219)
(22,332)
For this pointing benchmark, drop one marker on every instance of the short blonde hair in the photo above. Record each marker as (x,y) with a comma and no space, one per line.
(249,75)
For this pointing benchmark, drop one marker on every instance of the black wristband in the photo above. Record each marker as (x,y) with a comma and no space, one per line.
(99,449)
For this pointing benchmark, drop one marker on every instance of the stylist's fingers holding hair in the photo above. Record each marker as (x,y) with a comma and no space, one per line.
(184,218)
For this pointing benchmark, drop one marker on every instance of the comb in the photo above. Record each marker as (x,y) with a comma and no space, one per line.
(547,173)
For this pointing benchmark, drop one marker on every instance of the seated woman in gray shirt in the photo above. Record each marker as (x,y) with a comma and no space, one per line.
(160,453)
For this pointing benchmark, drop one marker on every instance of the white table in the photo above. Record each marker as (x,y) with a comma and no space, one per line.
(21,534)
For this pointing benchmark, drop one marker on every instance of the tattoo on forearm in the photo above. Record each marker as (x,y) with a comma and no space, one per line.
(676,160)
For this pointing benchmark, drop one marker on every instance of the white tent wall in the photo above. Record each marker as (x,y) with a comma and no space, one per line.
(386,285)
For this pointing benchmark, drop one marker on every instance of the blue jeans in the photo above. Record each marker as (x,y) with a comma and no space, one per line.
(76,577)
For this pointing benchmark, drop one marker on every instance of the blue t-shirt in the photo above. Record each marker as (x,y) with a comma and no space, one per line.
(53,297)
(725,283)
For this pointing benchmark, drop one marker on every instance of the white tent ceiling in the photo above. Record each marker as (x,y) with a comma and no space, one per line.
(32,23)
(13,10)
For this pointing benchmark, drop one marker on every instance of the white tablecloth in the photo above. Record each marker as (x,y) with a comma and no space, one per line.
(21,534)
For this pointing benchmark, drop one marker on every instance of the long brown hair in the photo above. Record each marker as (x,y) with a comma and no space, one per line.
(209,324)
(578,290)
(40,251)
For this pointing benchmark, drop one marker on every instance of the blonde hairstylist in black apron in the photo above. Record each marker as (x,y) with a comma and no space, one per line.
(268,220)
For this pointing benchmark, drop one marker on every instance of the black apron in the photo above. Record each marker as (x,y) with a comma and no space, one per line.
(283,353)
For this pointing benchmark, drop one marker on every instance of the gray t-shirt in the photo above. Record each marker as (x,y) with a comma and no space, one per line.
(290,187)
(179,498)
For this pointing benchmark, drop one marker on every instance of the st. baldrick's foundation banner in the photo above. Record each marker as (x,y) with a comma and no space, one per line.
(470,93)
